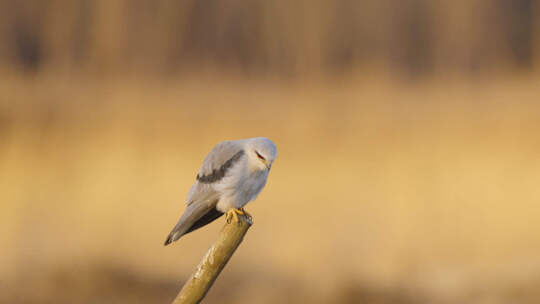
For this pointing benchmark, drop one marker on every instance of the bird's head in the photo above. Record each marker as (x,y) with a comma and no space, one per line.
(262,152)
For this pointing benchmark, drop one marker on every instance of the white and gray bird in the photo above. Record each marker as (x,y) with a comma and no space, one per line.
(232,175)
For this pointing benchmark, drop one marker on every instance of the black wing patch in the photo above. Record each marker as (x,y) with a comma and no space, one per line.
(218,174)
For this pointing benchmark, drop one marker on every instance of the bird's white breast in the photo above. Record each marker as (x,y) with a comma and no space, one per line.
(241,186)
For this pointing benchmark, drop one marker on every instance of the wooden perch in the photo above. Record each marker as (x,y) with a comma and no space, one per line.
(213,261)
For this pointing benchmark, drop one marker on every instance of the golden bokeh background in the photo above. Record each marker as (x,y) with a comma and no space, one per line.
(407,131)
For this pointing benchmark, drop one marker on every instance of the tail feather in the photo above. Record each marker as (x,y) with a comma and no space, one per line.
(209,217)
(182,227)
(173,236)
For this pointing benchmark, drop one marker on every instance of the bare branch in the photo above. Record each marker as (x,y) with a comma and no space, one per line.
(213,261)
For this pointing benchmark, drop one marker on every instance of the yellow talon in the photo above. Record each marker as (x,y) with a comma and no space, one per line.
(233,213)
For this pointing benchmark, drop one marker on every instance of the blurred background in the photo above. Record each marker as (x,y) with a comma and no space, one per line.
(407,130)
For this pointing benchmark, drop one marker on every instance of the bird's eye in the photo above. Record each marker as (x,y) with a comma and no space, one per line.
(260,156)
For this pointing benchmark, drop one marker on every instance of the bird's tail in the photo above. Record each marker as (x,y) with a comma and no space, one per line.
(173,236)
(180,229)
(189,223)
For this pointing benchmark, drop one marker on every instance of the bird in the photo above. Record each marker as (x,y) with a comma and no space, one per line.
(232,175)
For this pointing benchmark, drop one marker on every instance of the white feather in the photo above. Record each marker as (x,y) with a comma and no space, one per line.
(247,178)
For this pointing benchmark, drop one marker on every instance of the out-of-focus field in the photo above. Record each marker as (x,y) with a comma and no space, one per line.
(382,192)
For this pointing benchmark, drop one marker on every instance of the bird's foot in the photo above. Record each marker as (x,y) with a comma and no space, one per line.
(249,217)
(234,212)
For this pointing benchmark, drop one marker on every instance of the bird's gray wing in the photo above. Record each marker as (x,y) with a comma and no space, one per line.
(202,198)
(219,161)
